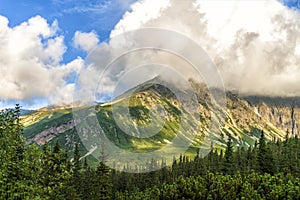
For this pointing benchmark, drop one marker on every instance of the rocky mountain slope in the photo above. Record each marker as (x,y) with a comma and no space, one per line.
(241,119)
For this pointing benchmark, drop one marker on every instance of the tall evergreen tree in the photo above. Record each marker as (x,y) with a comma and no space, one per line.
(76,173)
(265,158)
(87,177)
(55,175)
(16,171)
(228,158)
(103,186)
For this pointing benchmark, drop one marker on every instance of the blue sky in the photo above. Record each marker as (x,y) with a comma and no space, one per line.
(99,16)
(295,4)
(83,15)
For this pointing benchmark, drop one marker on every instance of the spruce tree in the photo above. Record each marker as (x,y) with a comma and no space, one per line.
(76,174)
(265,158)
(87,177)
(228,158)
(103,186)
(18,178)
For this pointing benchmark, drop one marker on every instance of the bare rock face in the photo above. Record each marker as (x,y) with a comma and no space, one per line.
(286,118)
(242,118)
(48,134)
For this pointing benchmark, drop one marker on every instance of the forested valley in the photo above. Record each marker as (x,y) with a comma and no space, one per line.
(268,170)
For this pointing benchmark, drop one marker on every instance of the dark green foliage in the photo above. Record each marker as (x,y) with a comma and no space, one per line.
(77,165)
(228,158)
(216,186)
(268,170)
(265,157)
(56,173)
(25,171)
(18,177)
(253,173)
(102,183)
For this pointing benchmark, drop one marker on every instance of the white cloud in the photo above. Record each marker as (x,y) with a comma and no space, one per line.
(30,57)
(255,44)
(86,41)
(142,12)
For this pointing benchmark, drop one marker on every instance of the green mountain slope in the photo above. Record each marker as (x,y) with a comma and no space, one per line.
(241,119)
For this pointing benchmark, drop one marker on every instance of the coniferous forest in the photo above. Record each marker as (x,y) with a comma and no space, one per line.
(268,170)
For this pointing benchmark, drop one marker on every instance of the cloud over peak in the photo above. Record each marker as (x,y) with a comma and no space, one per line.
(255,44)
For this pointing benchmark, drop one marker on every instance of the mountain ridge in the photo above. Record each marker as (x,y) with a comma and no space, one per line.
(244,118)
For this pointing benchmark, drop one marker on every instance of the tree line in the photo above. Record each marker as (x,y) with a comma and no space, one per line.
(268,170)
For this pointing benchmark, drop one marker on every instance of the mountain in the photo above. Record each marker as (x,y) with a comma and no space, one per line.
(201,123)
(22,111)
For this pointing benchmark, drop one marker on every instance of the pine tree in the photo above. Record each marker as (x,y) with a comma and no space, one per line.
(76,176)
(87,177)
(85,164)
(264,158)
(18,178)
(56,175)
(103,186)
(228,158)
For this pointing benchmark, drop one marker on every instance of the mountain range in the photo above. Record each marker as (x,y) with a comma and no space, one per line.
(242,119)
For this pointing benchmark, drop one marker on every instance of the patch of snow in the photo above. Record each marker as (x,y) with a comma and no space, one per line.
(167,141)
(255,109)
(89,152)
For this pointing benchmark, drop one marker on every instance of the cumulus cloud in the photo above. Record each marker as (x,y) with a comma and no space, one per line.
(85,41)
(142,12)
(254,44)
(261,57)
(30,61)
(113,60)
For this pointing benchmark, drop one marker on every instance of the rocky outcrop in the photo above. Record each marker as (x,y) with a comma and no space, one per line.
(48,134)
(286,118)
(241,118)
